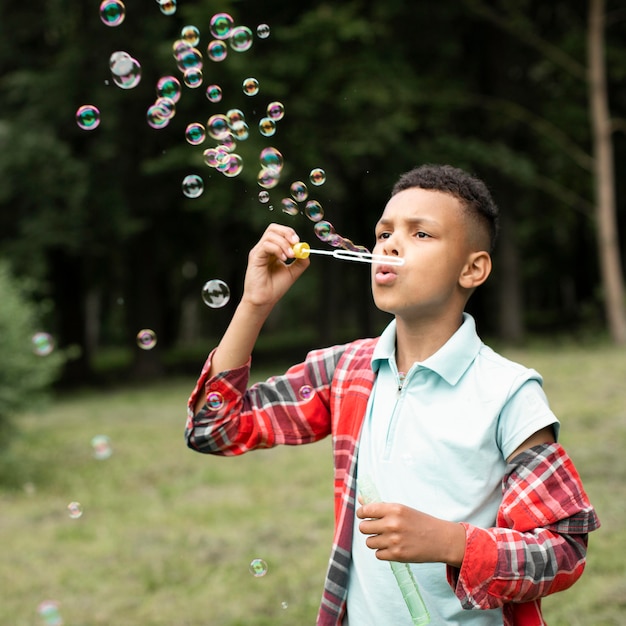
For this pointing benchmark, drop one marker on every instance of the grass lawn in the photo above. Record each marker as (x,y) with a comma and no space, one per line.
(167,535)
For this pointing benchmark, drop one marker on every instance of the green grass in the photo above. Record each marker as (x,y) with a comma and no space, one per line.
(167,535)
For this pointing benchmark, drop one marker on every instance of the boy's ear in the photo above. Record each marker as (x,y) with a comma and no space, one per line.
(476,271)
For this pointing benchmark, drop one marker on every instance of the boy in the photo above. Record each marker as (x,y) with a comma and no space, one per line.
(477,495)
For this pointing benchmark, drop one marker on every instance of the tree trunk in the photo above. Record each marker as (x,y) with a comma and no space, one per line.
(604,178)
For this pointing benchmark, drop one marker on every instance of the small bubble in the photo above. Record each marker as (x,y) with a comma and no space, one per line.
(299,192)
(112,12)
(251,86)
(284,605)
(193,186)
(195,133)
(290,207)
(146,339)
(169,87)
(240,130)
(214,93)
(156,117)
(217,50)
(313,210)
(306,392)
(324,230)
(191,35)
(189,59)
(101,446)
(268,178)
(88,117)
(217,126)
(215,400)
(193,77)
(263,31)
(317,176)
(75,510)
(272,159)
(49,611)
(276,111)
(258,568)
(215,293)
(233,167)
(234,116)
(241,39)
(168,7)
(267,126)
(43,344)
(120,63)
(221,25)
(132,76)
(264,197)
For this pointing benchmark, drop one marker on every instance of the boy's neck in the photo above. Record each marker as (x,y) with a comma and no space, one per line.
(419,339)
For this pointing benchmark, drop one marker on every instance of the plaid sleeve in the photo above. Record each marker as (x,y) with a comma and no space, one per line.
(289,409)
(538,546)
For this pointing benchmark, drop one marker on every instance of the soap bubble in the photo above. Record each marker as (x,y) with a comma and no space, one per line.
(195,133)
(217,126)
(146,339)
(268,178)
(167,106)
(258,568)
(306,392)
(235,115)
(284,605)
(189,58)
(101,445)
(262,31)
(75,510)
(313,210)
(221,25)
(290,207)
(214,93)
(191,35)
(217,50)
(168,7)
(193,77)
(228,143)
(215,293)
(241,39)
(120,63)
(324,230)
(43,344)
(193,186)
(240,130)
(215,400)
(267,126)
(251,86)
(299,192)
(157,117)
(272,159)
(131,78)
(112,12)
(49,611)
(276,111)
(264,197)
(317,176)
(169,87)
(88,117)
(233,167)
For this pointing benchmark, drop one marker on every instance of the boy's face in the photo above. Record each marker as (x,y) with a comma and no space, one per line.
(429,230)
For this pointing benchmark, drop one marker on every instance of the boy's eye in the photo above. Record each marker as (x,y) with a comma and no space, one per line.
(422,235)
(383,235)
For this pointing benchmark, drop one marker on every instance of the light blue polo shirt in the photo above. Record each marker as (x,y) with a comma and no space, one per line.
(438,442)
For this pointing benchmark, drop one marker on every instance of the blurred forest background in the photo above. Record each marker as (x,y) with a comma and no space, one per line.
(529,95)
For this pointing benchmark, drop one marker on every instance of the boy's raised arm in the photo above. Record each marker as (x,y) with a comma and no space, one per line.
(268,278)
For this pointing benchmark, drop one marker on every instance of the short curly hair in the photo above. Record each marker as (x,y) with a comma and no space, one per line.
(469,190)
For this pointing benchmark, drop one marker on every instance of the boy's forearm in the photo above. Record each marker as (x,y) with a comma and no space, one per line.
(238,341)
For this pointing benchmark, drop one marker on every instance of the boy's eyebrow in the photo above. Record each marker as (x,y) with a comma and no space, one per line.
(411,221)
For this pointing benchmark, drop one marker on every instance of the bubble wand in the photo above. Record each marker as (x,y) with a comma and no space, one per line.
(302,250)
(401,571)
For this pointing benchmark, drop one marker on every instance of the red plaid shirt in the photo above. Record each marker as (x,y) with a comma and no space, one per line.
(537,547)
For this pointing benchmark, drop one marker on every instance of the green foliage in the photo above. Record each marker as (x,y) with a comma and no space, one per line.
(24,376)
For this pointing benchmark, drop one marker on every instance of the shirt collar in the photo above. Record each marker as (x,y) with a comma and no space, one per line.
(450,361)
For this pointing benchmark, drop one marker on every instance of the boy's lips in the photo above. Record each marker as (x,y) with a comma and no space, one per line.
(385,274)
